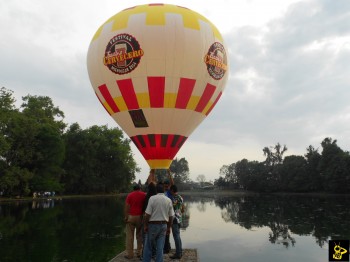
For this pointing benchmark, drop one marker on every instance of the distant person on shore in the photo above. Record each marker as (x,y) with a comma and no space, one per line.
(157,223)
(178,210)
(133,218)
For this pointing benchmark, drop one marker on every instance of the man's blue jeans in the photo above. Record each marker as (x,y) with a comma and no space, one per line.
(155,237)
(177,239)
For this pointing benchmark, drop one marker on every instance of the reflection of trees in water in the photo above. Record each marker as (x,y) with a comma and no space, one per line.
(321,217)
(199,201)
(280,235)
(43,203)
(189,201)
(201,206)
(231,211)
(54,232)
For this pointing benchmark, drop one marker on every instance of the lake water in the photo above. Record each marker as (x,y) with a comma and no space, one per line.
(222,228)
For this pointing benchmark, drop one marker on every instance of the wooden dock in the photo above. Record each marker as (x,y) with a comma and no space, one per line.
(189,255)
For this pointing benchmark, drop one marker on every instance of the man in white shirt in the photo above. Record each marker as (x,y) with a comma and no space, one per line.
(158,221)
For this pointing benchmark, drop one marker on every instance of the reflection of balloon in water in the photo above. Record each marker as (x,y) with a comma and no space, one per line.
(158,70)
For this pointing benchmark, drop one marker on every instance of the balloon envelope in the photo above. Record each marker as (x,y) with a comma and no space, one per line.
(158,70)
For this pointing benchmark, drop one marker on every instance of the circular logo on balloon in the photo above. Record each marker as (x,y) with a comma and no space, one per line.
(216,61)
(123,54)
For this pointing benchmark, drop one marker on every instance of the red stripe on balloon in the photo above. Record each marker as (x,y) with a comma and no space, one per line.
(140,144)
(109,99)
(136,142)
(166,148)
(181,141)
(102,103)
(154,146)
(169,149)
(161,150)
(184,93)
(172,148)
(207,94)
(127,90)
(156,87)
(212,106)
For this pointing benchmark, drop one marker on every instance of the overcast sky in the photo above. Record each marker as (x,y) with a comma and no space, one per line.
(289,77)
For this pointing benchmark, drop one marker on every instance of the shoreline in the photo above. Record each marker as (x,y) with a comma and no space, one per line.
(211,193)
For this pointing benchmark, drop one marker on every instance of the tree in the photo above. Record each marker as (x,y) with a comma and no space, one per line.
(272,177)
(98,160)
(294,176)
(45,144)
(180,170)
(201,179)
(244,171)
(15,134)
(42,110)
(220,182)
(313,159)
(229,173)
(7,112)
(37,155)
(273,158)
(334,167)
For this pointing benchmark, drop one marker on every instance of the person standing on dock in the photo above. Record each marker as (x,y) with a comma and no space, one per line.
(133,217)
(157,223)
(166,185)
(151,191)
(178,209)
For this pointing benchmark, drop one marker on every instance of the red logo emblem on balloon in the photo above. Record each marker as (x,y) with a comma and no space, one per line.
(123,54)
(216,61)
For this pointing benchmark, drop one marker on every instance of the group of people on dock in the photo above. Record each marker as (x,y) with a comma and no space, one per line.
(153,215)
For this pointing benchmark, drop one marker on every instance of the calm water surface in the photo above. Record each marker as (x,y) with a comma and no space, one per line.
(231,228)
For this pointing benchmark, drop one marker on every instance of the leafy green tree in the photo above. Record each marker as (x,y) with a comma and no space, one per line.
(229,173)
(335,167)
(276,156)
(313,158)
(74,164)
(179,168)
(98,160)
(43,111)
(220,182)
(15,135)
(248,173)
(294,176)
(7,112)
(46,146)
(257,181)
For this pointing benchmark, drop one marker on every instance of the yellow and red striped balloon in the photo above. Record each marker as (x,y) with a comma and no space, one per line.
(158,70)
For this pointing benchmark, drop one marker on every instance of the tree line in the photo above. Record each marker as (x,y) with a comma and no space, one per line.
(325,171)
(40,153)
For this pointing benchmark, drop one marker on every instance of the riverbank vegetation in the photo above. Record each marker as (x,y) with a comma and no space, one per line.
(326,171)
(40,153)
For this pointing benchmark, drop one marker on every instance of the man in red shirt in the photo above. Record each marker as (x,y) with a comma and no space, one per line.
(133,218)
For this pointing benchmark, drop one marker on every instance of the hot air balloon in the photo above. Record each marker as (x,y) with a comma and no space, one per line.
(158,70)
